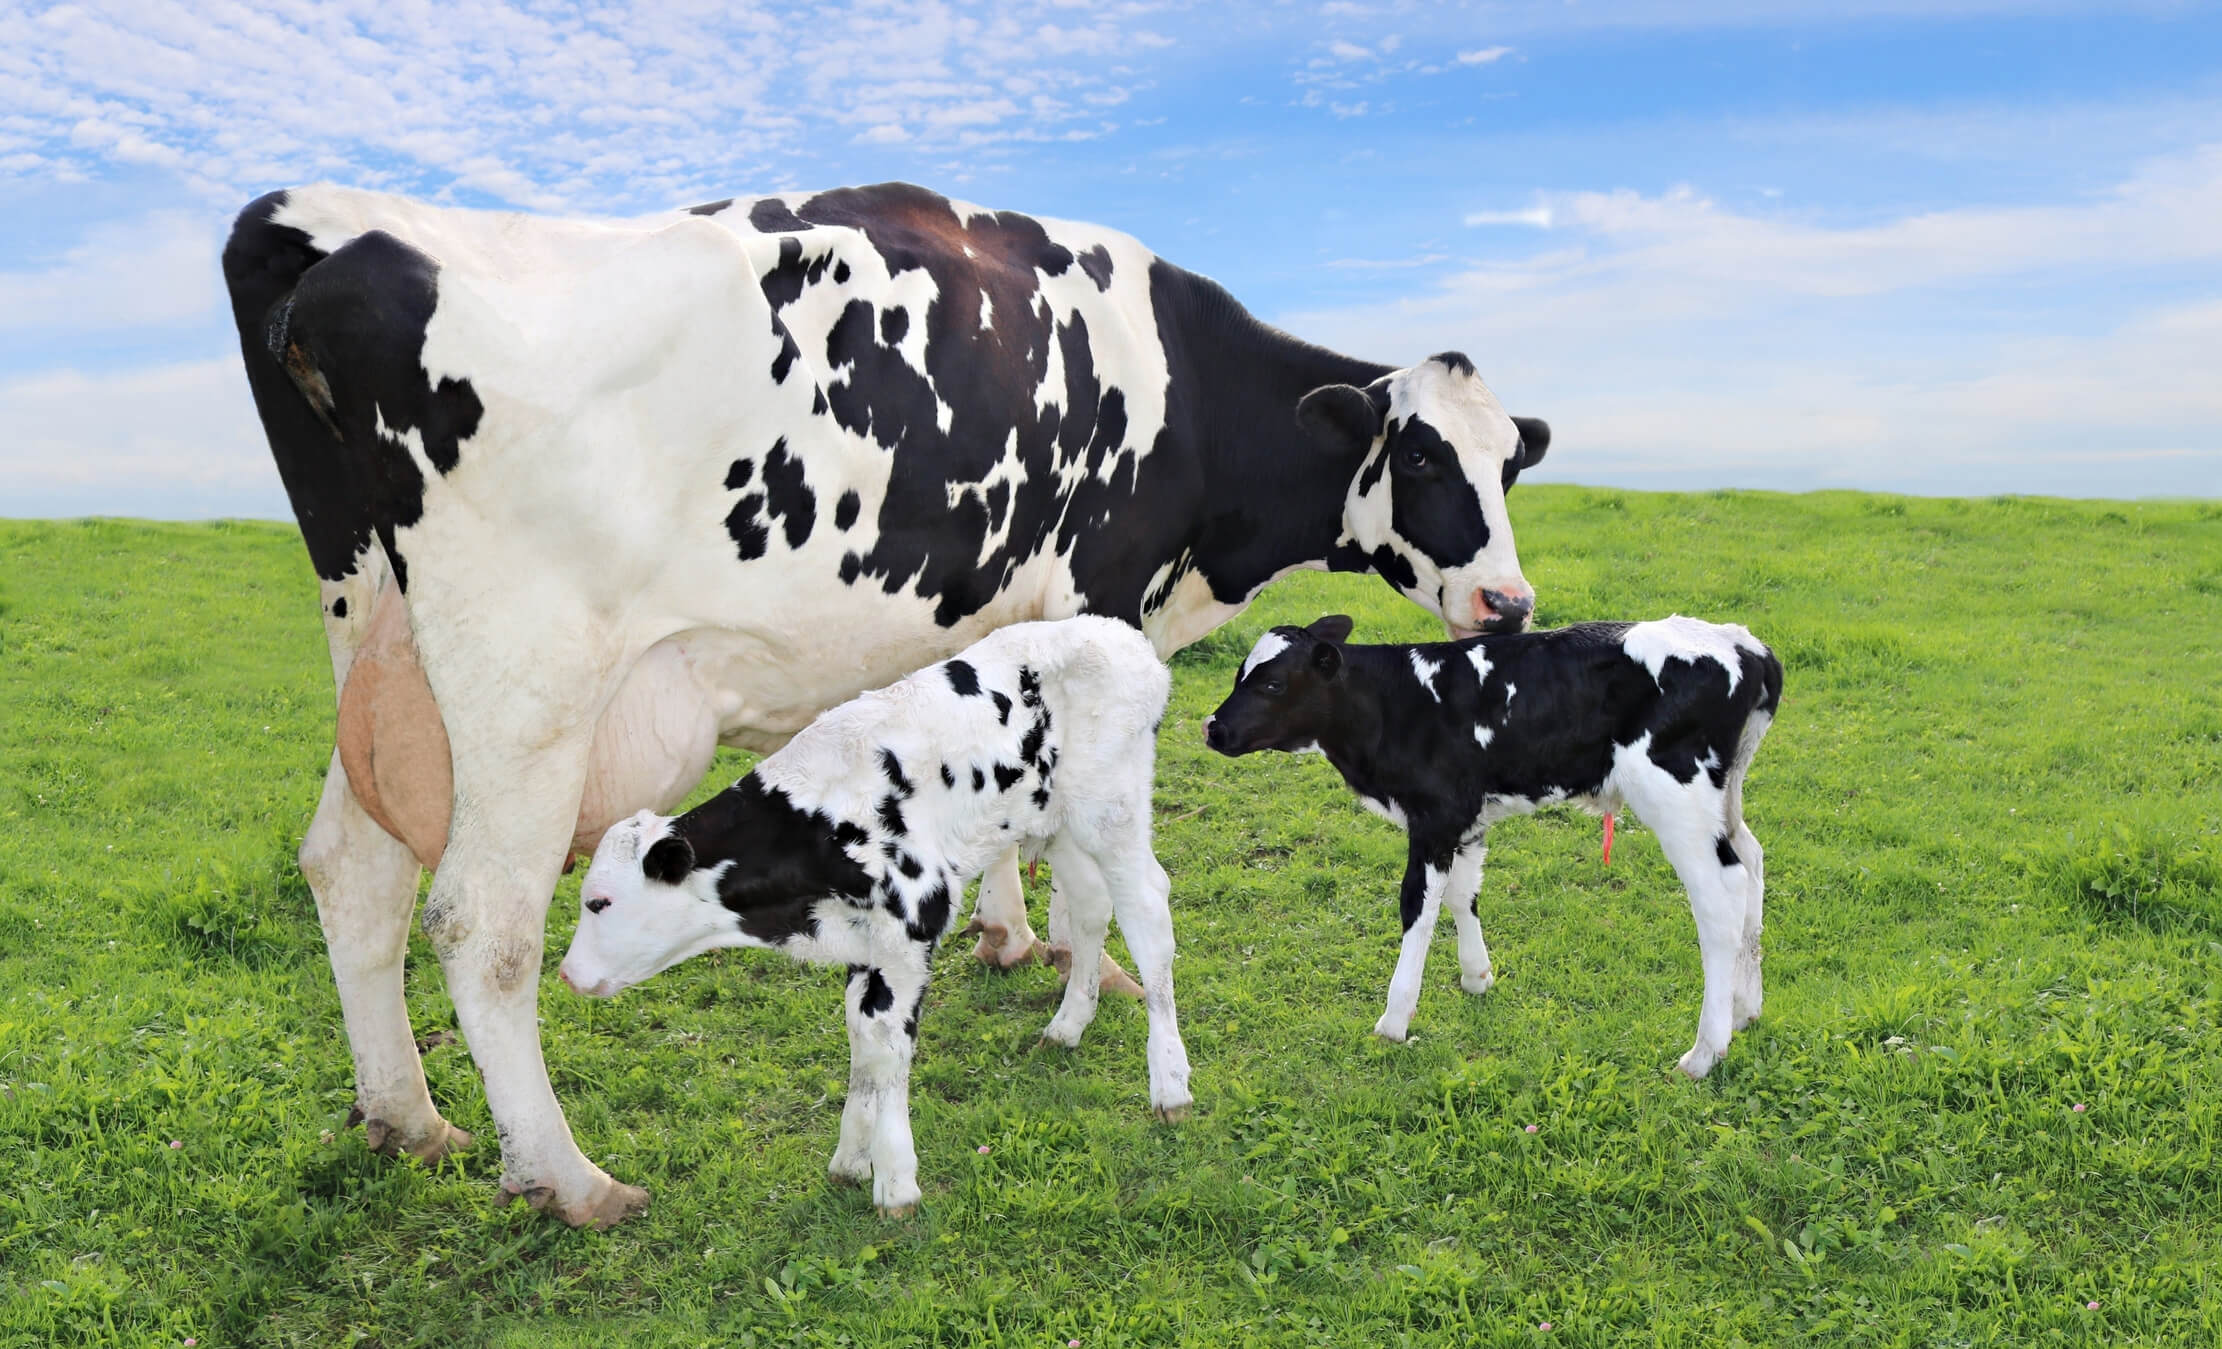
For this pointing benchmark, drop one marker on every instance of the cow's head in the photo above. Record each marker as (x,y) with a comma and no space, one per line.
(1283,695)
(643,908)
(1436,454)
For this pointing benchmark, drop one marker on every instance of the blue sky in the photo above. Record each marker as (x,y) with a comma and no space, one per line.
(1948,248)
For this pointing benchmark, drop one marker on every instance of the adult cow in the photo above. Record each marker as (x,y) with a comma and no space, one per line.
(637,488)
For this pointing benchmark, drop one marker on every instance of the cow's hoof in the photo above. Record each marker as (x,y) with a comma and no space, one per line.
(897,1211)
(430,1147)
(1394,1032)
(998,948)
(1111,977)
(843,1172)
(1175,1114)
(605,1205)
(1478,984)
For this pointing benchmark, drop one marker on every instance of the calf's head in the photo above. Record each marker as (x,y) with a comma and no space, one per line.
(1284,696)
(1436,454)
(643,907)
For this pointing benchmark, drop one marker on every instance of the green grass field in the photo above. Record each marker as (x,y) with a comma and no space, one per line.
(1984,1104)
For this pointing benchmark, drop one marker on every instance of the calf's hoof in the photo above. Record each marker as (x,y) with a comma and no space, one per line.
(1111,977)
(1478,984)
(430,1147)
(843,1171)
(1175,1114)
(897,1211)
(1697,1063)
(606,1204)
(999,948)
(1395,1032)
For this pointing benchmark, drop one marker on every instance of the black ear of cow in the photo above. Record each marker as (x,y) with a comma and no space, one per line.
(1332,628)
(1535,439)
(668,860)
(1327,660)
(1341,417)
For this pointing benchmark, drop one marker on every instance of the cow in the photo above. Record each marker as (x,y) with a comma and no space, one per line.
(639,488)
(852,846)
(1446,738)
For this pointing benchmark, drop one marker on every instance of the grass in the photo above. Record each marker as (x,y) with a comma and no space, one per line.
(1992,809)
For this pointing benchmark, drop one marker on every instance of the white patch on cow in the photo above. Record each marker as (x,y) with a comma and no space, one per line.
(1387,810)
(1483,735)
(1653,644)
(1425,671)
(1270,645)
(987,310)
(1479,658)
(1510,688)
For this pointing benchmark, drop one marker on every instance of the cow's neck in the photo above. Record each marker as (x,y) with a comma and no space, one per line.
(1273,497)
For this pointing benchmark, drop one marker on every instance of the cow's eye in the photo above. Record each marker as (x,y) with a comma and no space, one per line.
(1272,688)
(597,904)
(1414,456)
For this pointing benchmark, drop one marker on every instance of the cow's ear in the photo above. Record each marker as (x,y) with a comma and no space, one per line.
(1327,660)
(1332,628)
(1535,439)
(668,860)
(1342,417)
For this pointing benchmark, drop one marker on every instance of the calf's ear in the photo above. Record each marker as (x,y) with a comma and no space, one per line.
(1342,417)
(1332,628)
(1326,660)
(668,860)
(1535,440)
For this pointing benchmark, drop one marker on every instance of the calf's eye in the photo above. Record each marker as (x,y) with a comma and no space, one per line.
(1414,456)
(597,904)
(1273,688)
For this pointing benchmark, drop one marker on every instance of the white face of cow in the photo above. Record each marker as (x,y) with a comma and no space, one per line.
(1427,506)
(632,925)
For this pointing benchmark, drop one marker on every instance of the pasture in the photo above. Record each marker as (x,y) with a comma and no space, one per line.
(1983,1105)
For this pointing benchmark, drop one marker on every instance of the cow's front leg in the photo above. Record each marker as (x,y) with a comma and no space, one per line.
(365,883)
(884,1006)
(1418,903)
(1475,974)
(999,917)
(1111,977)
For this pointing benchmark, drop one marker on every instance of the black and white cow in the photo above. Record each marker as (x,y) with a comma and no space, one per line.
(644,487)
(1445,739)
(852,846)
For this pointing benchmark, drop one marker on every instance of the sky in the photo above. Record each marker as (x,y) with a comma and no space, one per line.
(1967,247)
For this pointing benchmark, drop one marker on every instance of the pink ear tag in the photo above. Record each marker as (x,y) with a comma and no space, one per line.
(1608,838)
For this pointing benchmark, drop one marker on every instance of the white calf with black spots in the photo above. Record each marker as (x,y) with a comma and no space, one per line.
(852,846)
(1444,739)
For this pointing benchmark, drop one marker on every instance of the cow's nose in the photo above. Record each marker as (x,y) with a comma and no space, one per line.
(1212,737)
(1508,608)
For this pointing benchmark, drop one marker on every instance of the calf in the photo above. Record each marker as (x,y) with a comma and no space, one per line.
(853,844)
(1449,737)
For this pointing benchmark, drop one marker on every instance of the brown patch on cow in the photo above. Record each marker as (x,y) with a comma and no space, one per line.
(392,743)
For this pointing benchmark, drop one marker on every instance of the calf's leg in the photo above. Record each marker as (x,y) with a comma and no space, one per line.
(884,1005)
(1687,820)
(1749,996)
(1089,912)
(365,883)
(1461,893)
(1418,904)
(999,916)
(1141,896)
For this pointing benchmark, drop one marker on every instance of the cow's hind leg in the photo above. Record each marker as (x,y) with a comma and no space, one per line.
(1460,894)
(1749,995)
(1687,820)
(1088,912)
(365,883)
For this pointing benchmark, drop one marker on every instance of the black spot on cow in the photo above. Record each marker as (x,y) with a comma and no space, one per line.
(892,769)
(1392,567)
(948,776)
(909,866)
(917,1005)
(852,566)
(771,216)
(894,325)
(933,914)
(818,403)
(1096,262)
(840,273)
(1431,502)
(1029,687)
(787,496)
(1002,706)
(876,996)
(788,858)
(963,677)
(891,814)
(1030,748)
(845,510)
(750,535)
(339,607)
(788,351)
(738,476)
(1726,853)
(1007,776)
(1041,798)
(979,779)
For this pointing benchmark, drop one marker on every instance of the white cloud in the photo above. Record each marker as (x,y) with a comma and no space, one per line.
(1483,56)
(159,269)
(166,440)
(1672,341)
(1538,216)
